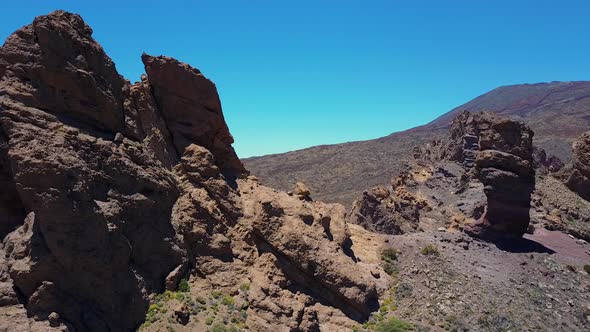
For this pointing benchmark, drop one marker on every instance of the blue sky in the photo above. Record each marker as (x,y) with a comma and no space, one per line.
(293,74)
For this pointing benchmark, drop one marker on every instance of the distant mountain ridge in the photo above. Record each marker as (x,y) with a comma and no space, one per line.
(558,112)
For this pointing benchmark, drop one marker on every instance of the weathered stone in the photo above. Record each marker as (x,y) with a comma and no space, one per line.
(504,164)
(191,107)
(389,212)
(302,192)
(579,178)
(113,192)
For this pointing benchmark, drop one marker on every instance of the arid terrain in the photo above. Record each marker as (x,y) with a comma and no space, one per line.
(124,207)
(558,112)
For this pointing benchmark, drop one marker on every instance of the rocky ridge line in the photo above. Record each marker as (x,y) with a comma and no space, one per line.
(117,191)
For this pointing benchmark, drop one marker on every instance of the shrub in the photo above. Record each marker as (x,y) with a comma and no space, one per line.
(393,325)
(429,250)
(404,290)
(245,287)
(219,327)
(209,320)
(587,268)
(228,300)
(389,258)
(183,286)
(389,254)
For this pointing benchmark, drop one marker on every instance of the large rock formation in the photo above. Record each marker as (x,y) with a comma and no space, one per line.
(578,179)
(483,154)
(113,191)
(504,164)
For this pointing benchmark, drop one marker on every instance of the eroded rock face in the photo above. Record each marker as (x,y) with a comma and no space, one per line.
(191,107)
(11,207)
(579,178)
(504,164)
(483,154)
(55,65)
(388,211)
(113,191)
(294,234)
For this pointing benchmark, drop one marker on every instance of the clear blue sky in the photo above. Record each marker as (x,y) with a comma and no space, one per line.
(317,72)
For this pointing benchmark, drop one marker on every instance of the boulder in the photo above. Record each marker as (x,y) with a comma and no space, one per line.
(302,192)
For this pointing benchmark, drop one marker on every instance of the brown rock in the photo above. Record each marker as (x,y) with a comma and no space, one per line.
(302,192)
(144,121)
(579,178)
(504,164)
(55,65)
(61,104)
(181,313)
(191,107)
(388,212)
(112,192)
(331,275)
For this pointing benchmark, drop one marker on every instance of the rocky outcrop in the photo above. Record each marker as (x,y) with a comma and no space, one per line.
(191,107)
(482,154)
(504,165)
(55,65)
(295,233)
(579,177)
(302,192)
(112,192)
(389,211)
(546,163)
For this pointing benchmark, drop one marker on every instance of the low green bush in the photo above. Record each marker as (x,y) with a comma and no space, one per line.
(393,325)
(429,250)
(183,286)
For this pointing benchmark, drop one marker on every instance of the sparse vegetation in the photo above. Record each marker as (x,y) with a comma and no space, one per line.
(496,323)
(390,253)
(221,312)
(228,300)
(389,258)
(183,286)
(245,287)
(393,325)
(429,250)
(220,327)
(404,290)
(455,324)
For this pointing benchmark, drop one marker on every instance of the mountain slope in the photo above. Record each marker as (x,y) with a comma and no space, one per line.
(557,112)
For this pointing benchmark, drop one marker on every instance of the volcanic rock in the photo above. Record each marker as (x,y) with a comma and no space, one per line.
(112,192)
(579,178)
(302,192)
(191,107)
(504,164)
(395,211)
